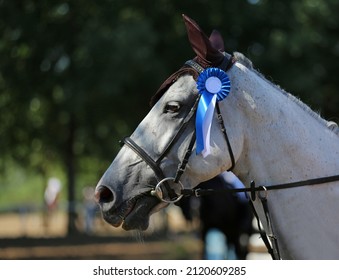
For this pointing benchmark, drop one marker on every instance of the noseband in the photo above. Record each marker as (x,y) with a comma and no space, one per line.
(175,194)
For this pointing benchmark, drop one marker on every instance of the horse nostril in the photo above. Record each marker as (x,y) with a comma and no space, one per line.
(103,195)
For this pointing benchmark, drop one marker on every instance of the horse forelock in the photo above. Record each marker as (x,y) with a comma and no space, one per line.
(185,70)
(190,71)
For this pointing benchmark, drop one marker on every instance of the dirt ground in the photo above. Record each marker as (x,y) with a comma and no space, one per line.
(95,248)
(28,236)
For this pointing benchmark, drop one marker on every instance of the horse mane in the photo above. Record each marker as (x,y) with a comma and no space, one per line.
(242,59)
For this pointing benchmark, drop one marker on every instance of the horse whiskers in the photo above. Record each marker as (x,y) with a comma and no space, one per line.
(139,236)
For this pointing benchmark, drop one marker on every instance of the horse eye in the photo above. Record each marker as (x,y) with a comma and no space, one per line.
(172,107)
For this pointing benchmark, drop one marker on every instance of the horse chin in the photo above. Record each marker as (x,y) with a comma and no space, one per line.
(134,213)
(138,217)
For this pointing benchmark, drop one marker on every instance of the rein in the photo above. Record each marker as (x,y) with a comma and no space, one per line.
(269,238)
(253,189)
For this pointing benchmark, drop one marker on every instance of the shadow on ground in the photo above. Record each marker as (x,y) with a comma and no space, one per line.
(101,247)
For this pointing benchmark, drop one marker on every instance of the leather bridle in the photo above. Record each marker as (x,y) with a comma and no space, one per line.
(176,194)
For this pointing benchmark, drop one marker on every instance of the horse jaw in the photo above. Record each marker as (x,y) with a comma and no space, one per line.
(138,218)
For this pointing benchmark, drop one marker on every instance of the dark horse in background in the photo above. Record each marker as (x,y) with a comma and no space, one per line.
(222,212)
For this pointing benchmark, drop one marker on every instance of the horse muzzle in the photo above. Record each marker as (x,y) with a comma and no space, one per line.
(132,214)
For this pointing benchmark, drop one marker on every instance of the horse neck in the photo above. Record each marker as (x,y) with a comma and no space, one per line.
(283,141)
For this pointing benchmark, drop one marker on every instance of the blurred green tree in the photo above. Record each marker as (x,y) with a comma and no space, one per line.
(66,75)
(76,76)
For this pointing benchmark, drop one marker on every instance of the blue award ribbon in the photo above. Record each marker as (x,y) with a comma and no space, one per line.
(214,85)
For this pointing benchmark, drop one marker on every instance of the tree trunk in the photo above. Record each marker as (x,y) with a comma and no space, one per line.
(70,166)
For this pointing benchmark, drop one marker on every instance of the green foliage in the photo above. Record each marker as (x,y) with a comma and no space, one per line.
(76,76)
(21,187)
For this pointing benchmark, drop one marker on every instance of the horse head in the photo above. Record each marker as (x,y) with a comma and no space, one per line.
(144,177)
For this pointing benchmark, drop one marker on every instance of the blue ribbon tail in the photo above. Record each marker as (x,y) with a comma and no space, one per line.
(204,102)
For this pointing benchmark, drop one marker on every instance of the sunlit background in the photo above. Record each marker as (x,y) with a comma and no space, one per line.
(77,76)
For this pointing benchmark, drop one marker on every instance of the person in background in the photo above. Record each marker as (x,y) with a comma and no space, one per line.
(225,219)
(51,200)
(90,209)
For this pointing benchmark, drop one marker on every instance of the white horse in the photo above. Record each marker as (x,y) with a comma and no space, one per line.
(274,138)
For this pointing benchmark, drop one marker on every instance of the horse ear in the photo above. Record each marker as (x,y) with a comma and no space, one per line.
(207,54)
(217,41)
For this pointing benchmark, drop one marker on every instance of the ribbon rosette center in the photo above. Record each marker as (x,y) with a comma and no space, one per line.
(214,85)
